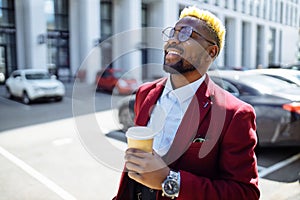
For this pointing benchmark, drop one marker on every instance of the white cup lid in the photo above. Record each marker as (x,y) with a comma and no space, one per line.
(140,133)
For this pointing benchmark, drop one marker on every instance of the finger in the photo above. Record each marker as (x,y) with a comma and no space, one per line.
(136,152)
(133,167)
(135,176)
(133,159)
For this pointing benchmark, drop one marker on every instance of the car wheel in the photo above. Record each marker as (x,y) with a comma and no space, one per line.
(58,99)
(25,98)
(125,118)
(8,93)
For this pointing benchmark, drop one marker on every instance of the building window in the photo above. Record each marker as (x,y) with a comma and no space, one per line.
(281,12)
(271,45)
(235,2)
(259,46)
(106,19)
(57,16)
(144,15)
(8,53)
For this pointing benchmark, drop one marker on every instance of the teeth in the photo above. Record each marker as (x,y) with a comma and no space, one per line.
(174,52)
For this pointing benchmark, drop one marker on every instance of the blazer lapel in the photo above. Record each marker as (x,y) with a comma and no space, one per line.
(146,108)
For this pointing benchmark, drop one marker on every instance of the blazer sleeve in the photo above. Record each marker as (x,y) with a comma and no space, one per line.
(238,178)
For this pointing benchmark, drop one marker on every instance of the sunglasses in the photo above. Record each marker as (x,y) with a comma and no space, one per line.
(184,34)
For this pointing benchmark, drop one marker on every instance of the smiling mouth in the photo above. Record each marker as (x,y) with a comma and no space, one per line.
(174,51)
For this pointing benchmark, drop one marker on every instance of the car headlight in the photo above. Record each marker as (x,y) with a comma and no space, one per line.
(2,77)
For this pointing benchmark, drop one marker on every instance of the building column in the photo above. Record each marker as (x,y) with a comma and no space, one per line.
(239,6)
(283,19)
(261,9)
(170,12)
(263,45)
(249,45)
(277,14)
(234,44)
(212,2)
(127,40)
(75,58)
(277,46)
(89,32)
(32,34)
(221,58)
(273,10)
(230,4)
(221,3)
(288,17)
(267,10)
(247,6)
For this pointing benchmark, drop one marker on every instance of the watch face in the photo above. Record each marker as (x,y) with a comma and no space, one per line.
(171,187)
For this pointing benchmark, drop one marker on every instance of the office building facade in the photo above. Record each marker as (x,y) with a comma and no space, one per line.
(78,37)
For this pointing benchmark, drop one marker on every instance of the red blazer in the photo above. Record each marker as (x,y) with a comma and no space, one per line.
(224,165)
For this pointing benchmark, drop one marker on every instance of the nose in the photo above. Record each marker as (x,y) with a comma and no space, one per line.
(174,39)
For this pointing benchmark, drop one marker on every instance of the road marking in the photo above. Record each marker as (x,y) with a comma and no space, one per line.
(38,176)
(278,165)
(260,168)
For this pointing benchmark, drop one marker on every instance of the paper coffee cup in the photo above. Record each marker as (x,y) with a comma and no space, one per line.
(140,137)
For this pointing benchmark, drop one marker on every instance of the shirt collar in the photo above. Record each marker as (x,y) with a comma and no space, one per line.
(183,93)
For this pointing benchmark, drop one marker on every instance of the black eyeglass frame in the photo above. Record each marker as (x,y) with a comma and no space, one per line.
(181,33)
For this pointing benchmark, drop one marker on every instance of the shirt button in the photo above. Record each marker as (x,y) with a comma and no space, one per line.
(151,190)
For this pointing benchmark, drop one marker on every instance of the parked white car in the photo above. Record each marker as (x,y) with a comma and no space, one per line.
(34,84)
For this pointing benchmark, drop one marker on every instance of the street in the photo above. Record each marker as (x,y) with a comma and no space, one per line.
(44,154)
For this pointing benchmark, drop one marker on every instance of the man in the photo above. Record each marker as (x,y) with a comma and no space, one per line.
(204,149)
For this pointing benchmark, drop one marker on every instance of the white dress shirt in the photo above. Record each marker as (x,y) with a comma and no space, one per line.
(168,113)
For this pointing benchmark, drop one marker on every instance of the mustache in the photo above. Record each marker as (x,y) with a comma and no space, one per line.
(174,46)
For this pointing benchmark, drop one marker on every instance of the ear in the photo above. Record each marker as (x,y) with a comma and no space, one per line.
(213,51)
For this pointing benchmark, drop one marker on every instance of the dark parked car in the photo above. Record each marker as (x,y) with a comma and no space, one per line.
(126,112)
(276,103)
(116,80)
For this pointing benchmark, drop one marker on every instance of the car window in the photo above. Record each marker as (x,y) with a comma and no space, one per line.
(265,84)
(37,76)
(15,75)
(226,86)
(106,74)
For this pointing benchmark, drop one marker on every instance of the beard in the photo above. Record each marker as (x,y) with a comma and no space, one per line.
(181,67)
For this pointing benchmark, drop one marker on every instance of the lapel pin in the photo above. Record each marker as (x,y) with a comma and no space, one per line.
(205,105)
(198,140)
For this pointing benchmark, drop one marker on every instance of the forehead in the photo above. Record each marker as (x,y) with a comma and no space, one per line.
(194,22)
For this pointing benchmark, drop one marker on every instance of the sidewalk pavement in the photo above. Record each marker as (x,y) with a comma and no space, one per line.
(49,162)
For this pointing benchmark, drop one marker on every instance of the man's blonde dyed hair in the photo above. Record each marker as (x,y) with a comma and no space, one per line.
(211,20)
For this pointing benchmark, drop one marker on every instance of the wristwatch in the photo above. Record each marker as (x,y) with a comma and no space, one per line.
(171,185)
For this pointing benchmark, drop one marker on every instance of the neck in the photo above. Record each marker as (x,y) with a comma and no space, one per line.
(180,80)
